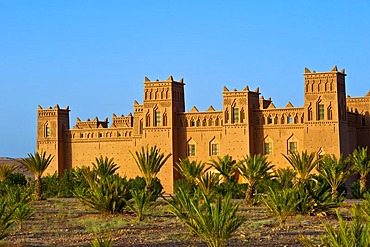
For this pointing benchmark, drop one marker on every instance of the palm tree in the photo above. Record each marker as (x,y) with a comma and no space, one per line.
(334,171)
(285,177)
(150,162)
(214,220)
(190,170)
(104,166)
(5,170)
(361,164)
(226,166)
(37,164)
(254,169)
(207,182)
(302,164)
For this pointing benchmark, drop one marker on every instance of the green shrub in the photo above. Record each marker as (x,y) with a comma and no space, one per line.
(214,221)
(237,191)
(6,220)
(355,233)
(315,196)
(141,203)
(282,203)
(356,192)
(184,185)
(106,195)
(138,184)
(17,179)
(19,202)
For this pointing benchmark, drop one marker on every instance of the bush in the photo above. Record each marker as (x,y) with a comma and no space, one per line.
(237,191)
(106,195)
(17,179)
(356,192)
(282,203)
(214,221)
(138,184)
(355,233)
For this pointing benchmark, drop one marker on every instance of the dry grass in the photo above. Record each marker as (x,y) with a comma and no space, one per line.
(66,222)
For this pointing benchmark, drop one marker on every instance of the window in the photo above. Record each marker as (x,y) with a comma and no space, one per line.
(235,115)
(292,147)
(147,120)
(214,149)
(47,130)
(267,148)
(289,119)
(309,113)
(192,123)
(165,119)
(269,120)
(191,149)
(321,112)
(330,113)
(157,118)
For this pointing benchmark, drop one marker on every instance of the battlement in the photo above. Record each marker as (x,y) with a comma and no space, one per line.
(91,124)
(51,111)
(122,121)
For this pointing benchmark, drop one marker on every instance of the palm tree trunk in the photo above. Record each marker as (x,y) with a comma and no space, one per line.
(363,181)
(38,188)
(249,194)
(334,194)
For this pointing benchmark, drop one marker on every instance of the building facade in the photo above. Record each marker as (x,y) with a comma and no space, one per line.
(327,123)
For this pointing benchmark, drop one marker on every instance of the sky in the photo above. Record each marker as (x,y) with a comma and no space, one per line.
(93,55)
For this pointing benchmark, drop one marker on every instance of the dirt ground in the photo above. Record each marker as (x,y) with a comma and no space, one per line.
(66,222)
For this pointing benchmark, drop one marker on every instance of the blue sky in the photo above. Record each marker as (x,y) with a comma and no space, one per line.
(94,55)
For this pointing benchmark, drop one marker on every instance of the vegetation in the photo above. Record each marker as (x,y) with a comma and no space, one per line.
(106,195)
(5,171)
(37,164)
(150,161)
(334,171)
(354,233)
(213,221)
(202,199)
(282,203)
(226,166)
(361,165)
(302,164)
(254,169)
(190,170)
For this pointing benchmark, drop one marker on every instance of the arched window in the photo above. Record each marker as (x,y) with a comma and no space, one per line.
(226,116)
(147,120)
(267,146)
(204,122)
(320,110)
(165,119)
(309,113)
(330,113)
(191,148)
(47,130)
(141,126)
(217,122)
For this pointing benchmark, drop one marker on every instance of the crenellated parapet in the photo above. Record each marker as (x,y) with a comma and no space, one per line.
(194,118)
(279,116)
(91,124)
(122,121)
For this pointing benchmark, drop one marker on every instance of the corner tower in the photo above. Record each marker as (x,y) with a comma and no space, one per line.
(325,117)
(51,123)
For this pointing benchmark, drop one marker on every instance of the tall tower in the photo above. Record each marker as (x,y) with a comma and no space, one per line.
(50,125)
(162,101)
(238,109)
(325,117)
